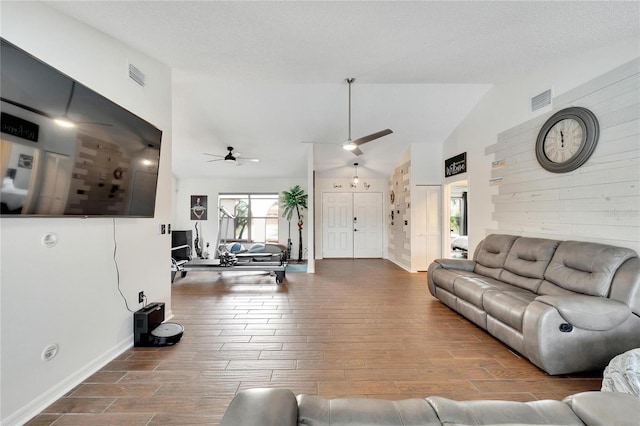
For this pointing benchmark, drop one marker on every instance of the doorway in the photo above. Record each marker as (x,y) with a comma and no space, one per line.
(457,243)
(352,225)
(426,236)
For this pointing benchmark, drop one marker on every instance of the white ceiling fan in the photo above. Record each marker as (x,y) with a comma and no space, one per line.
(231,157)
(354,145)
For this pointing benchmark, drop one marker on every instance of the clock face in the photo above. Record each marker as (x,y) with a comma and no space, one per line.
(563,140)
(567,139)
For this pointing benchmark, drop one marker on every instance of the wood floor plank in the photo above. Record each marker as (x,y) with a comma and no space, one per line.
(360,328)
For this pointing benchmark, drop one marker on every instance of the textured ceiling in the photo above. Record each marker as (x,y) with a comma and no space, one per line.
(265,76)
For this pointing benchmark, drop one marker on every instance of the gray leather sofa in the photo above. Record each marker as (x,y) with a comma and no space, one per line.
(280,407)
(568,306)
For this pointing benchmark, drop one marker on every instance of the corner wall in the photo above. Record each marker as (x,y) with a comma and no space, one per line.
(70,294)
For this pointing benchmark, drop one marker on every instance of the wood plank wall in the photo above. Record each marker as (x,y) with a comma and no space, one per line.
(599,201)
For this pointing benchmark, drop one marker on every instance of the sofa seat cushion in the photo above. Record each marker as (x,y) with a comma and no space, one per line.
(508,306)
(545,412)
(446,278)
(586,268)
(472,289)
(317,411)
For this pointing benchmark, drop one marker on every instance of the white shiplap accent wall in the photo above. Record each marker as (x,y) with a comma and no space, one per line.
(599,201)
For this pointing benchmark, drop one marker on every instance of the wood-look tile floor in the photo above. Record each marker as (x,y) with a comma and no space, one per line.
(356,328)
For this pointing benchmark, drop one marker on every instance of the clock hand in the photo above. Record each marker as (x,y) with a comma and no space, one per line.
(561,139)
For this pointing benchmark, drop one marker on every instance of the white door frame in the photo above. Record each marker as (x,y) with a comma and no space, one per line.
(446,204)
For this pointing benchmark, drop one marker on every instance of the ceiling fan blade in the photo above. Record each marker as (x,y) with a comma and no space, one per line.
(213,155)
(27,108)
(241,161)
(356,151)
(217,159)
(93,123)
(372,136)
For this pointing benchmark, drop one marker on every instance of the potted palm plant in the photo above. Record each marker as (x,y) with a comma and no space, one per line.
(294,200)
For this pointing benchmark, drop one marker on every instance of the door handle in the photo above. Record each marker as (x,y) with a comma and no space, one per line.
(355,230)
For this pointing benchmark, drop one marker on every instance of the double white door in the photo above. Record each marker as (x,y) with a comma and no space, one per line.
(352,225)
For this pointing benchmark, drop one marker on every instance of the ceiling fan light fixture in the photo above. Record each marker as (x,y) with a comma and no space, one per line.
(64,122)
(349,146)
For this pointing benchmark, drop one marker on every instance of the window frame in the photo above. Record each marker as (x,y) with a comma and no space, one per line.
(248,196)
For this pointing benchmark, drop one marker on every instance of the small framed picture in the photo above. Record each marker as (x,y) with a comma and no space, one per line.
(198,207)
(25,161)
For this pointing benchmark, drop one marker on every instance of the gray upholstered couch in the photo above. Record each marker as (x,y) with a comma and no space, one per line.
(280,407)
(567,306)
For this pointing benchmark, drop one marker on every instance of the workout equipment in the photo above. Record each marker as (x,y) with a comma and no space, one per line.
(225,261)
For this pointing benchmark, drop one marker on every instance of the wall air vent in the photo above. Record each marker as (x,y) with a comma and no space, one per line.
(541,100)
(136,75)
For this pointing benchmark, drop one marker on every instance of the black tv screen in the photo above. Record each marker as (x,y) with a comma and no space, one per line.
(67,150)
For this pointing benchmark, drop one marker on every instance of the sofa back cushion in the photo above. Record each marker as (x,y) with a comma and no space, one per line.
(491,254)
(586,268)
(526,262)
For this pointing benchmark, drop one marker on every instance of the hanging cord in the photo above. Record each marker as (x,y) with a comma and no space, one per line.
(115,262)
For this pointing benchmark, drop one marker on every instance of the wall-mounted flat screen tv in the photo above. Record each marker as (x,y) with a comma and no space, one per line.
(67,150)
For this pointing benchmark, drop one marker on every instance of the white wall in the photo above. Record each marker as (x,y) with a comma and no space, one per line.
(68,294)
(208,229)
(427,165)
(507,105)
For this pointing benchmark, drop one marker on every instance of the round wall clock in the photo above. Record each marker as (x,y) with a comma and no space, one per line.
(567,139)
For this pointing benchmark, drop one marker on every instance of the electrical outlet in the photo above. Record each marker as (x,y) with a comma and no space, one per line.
(163,229)
(141,297)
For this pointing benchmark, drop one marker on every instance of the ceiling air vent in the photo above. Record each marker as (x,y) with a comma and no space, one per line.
(541,100)
(136,75)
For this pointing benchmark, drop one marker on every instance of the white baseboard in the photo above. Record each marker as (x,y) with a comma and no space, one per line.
(56,392)
(400,265)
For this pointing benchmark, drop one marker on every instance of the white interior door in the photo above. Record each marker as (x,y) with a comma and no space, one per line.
(55,184)
(142,193)
(427,233)
(352,225)
(367,224)
(337,225)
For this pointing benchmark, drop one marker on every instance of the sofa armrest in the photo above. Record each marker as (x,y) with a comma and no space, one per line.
(605,408)
(461,264)
(589,312)
(262,406)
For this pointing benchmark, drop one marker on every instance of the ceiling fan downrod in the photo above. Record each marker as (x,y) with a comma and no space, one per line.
(349,146)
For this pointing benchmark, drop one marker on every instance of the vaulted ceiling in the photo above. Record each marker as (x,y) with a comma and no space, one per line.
(265,77)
